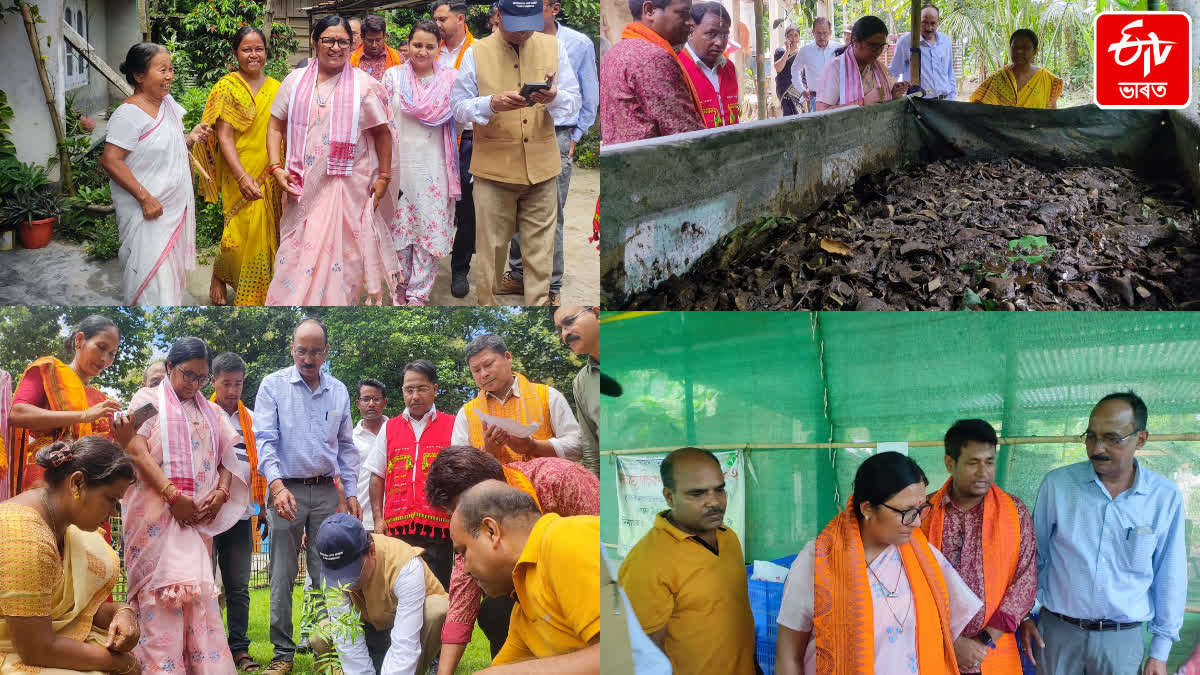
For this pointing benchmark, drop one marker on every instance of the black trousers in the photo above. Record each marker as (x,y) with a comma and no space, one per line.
(439,554)
(464,211)
(494,614)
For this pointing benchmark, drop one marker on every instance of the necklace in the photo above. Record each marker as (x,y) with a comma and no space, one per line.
(317,90)
(50,512)
(893,594)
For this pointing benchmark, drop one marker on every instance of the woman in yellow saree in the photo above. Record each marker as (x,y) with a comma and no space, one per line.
(54,401)
(1021,84)
(235,158)
(56,572)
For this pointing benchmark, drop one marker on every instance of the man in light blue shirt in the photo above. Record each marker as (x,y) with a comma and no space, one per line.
(1110,554)
(937,58)
(569,129)
(305,439)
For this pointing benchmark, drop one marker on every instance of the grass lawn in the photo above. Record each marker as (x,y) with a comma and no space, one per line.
(476,658)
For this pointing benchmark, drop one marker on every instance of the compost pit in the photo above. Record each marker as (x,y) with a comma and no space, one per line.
(955,234)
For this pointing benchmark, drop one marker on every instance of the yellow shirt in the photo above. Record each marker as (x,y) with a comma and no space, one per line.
(557,581)
(701,597)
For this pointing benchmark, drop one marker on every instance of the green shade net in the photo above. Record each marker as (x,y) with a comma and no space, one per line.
(734,379)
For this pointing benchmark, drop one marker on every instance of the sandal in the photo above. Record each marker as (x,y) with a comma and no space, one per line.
(245,662)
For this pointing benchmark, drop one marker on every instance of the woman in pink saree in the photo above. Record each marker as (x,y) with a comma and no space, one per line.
(146,156)
(334,241)
(855,75)
(190,487)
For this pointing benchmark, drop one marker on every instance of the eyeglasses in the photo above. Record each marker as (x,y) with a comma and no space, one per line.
(302,352)
(189,376)
(909,516)
(570,320)
(370,399)
(876,46)
(1109,440)
(335,42)
(422,390)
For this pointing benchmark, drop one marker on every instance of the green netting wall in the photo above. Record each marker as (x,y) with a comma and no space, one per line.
(739,378)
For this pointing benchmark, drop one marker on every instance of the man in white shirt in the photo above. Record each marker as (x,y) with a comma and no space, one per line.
(451,18)
(401,604)
(372,401)
(811,60)
(398,463)
(937,58)
(232,549)
(503,393)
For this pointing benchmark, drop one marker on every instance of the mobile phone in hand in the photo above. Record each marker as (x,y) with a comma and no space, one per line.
(142,414)
(530,87)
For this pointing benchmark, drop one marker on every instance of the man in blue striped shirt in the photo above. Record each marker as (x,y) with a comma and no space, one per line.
(1110,554)
(305,439)
(937,57)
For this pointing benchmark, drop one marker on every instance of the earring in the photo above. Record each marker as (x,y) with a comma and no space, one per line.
(76,494)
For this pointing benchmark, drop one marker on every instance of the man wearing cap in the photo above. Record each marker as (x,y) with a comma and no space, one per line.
(548,562)
(515,161)
(401,603)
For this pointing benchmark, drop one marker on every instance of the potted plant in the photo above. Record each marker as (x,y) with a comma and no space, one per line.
(30,204)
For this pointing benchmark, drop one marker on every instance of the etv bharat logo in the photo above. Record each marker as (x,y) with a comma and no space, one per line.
(1143,60)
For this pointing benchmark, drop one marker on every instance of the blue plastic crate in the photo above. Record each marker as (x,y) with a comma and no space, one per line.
(765,598)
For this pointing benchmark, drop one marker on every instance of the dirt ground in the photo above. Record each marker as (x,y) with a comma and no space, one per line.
(61,273)
(961,235)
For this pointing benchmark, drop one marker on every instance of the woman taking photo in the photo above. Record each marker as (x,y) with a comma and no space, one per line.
(422,229)
(56,571)
(870,595)
(190,487)
(334,240)
(55,401)
(235,157)
(146,156)
(855,76)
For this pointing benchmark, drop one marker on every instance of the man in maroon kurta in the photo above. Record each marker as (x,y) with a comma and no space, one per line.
(643,90)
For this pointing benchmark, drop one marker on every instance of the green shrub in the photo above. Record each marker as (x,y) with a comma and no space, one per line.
(587,150)
(210,222)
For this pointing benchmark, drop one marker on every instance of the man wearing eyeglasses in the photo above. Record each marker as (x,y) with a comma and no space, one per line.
(304,437)
(987,535)
(398,462)
(1110,554)
(937,58)
(372,401)
(579,328)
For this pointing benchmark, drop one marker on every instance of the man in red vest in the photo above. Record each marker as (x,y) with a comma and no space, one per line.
(713,75)
(399,462)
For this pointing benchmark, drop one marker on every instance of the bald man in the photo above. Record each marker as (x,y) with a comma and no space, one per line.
(549,562)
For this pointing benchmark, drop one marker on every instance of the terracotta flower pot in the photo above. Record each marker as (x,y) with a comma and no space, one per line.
(36,234)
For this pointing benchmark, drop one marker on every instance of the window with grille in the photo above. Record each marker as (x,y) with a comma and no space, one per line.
(76,66)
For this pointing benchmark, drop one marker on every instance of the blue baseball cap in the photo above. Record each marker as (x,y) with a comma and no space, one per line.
(521,15)
(341,543)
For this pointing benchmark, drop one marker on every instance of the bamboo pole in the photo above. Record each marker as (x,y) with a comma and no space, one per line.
(760,65)
(1015,440)
(268,22)
(60,132)
(914,44)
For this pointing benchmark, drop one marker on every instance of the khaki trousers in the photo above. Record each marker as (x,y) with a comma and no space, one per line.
(505,209)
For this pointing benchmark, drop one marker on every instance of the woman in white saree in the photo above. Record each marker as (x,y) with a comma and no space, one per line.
(146,154)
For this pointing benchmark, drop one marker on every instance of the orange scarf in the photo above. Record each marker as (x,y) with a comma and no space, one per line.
(392,59)
(521,482)
(636,30)
(463,49)
(1001,549)
(843,616)
(258,484)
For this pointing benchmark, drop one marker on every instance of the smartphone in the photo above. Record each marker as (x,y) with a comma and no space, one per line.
(531,87)
(142,414)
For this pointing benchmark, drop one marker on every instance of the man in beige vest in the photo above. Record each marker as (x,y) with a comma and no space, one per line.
(515,160)
(401,603)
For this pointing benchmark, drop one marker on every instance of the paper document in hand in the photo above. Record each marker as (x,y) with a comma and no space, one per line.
(511,426)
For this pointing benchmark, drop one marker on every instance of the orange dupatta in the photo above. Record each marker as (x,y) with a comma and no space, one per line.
(521,482)
(843,614)
(1001,551)
(636,30)
(64,391)
(463,49)
(392,59)
(258,484)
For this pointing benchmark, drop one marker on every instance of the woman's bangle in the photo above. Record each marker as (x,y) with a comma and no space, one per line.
(127,670)
(239,180)
(166,488)
(123,608)
(224,491)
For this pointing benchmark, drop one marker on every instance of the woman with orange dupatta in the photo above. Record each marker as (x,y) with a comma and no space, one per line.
(870,595)
(54,401)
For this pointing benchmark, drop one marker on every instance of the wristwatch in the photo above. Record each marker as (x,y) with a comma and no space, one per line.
(986,638)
